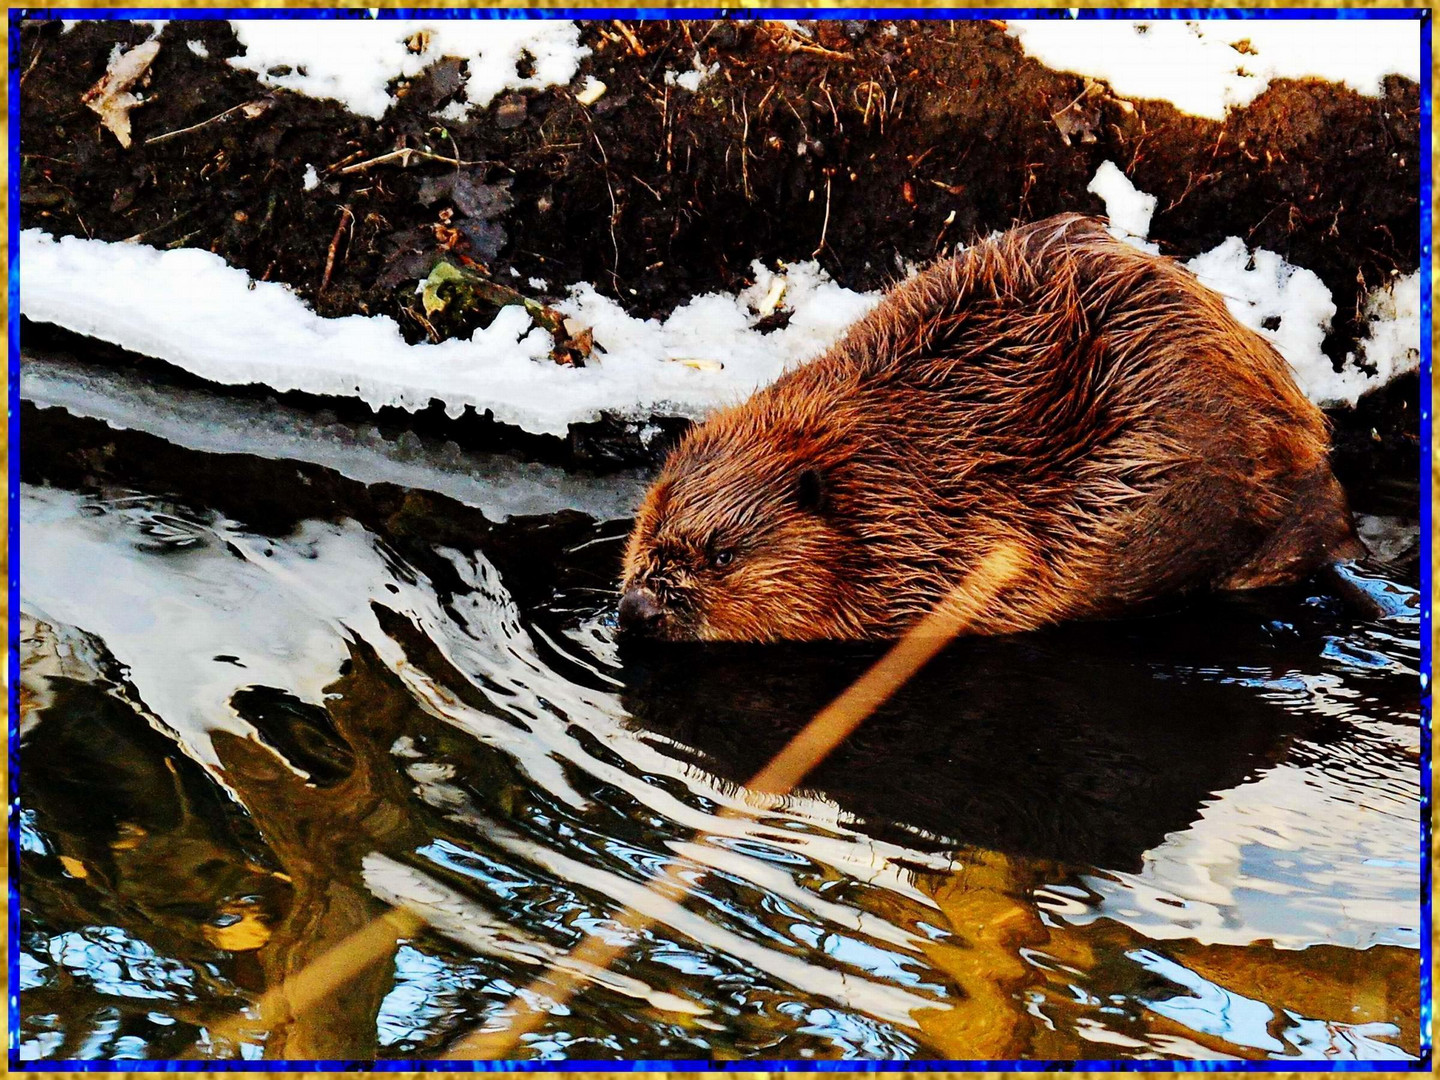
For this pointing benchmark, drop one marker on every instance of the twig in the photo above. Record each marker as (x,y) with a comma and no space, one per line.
(794,44)
(614,207)
(630,38)
(745,148)
(157,228)
(182,241)
(825,226)
(1091,87)
(669,132)
(647,187)
(404,156)
(834,113)
(1264,219)
(345,217)
(259,105)
(760,109)
(869,97)
(34,60)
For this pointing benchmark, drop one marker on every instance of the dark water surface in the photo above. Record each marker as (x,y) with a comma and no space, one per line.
(279,673)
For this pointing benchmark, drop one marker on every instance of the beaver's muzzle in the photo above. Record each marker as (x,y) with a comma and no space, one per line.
(640,611)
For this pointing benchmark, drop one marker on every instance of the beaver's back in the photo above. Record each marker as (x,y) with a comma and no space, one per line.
(1058,386)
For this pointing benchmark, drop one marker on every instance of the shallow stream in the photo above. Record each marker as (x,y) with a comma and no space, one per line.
(279,672)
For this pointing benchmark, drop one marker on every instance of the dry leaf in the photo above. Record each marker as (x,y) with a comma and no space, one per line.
(111,96)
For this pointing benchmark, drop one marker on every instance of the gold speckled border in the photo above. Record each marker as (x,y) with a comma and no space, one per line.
(744,4)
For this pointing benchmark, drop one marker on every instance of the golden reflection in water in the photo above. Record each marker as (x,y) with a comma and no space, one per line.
(986,906)
(327,963)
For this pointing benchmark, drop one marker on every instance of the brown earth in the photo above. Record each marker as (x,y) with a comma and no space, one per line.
(863,147)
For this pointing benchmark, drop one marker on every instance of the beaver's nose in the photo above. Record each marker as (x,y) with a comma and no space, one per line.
(639,610)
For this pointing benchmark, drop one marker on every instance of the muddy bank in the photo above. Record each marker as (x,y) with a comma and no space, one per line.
(866,145)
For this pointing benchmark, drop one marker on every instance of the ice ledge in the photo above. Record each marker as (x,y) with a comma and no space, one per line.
(190,309)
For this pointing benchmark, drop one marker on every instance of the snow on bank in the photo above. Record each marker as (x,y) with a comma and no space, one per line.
(352,61)
(1392,343)
(1287,304)
(1291,307)
(691,80)
(1204,68)
(190,309)
(1128,209)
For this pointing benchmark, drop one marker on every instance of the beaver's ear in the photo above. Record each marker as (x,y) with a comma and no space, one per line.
(810,492)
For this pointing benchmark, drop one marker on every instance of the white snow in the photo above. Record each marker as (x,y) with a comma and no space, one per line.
(1128,209)
(1260,286)
(691,80)
(456,111)
(198,48)
(591,91)
(353,60)
(1392,344)
(311,180)
(188,308)
(1197,67)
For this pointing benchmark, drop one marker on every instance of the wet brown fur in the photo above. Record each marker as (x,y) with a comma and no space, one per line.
(1051,386)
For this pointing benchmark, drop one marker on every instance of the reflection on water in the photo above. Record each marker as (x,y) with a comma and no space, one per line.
(264,698)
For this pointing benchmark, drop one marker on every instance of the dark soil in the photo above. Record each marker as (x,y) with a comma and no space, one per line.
(870,144)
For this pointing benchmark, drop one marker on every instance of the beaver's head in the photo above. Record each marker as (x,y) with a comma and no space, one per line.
(741,538)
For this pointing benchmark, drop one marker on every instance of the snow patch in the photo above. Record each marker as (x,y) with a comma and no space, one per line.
(198,48)
(456,111)
(311,180)
(1205,68)
(591,91)
(1128,209)
(1287,304)
(691,80)
(190,309)
(1392,342)
(353,61)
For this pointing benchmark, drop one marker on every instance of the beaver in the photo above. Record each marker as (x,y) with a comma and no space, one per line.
(1052,389)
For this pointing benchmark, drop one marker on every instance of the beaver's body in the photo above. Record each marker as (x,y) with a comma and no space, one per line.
(1052,387)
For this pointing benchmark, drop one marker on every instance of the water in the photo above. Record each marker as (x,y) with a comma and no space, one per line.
(278,673)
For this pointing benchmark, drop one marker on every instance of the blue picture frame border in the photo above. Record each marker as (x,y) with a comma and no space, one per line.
(17,15)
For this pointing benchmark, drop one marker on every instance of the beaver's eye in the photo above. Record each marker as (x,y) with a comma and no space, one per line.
(722,558)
